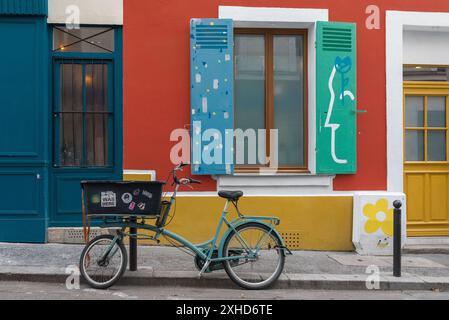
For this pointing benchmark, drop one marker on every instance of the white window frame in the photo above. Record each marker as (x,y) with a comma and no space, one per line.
(396,23)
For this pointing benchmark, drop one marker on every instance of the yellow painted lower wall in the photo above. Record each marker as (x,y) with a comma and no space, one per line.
(307,222)
(137,177)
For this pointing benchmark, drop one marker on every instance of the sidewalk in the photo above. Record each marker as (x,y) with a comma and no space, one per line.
(159,266)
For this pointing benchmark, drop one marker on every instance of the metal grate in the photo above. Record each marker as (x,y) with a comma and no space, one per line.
(211,37)
(76,236)
(291,239)
(337,39)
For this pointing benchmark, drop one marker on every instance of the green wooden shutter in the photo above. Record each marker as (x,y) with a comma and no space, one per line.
(336,98)
(212,95)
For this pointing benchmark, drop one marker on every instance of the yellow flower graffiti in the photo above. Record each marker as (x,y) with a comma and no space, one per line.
(379,217)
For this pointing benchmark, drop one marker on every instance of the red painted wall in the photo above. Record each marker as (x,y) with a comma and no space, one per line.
(156,78)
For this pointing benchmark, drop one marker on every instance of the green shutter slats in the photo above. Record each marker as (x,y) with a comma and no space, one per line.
(337,39)
(24,7)
(336,96)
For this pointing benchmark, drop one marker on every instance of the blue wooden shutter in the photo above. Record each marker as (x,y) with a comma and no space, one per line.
(212,95)
(336,98)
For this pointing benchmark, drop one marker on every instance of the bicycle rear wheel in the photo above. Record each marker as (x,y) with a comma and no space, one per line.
(103,261)
(263,258)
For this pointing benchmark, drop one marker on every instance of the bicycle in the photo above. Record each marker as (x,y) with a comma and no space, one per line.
(251,251)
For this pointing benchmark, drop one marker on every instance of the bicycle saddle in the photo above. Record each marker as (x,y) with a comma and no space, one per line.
(231,195)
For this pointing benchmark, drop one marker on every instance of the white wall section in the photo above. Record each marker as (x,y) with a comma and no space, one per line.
(103,12)
(426,47)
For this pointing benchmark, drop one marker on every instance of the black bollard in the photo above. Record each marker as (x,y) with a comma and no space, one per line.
(397,236)
(133,247)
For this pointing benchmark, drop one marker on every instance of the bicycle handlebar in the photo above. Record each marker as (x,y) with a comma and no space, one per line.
(183,181)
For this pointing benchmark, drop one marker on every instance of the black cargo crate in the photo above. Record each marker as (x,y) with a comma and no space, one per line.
(112,198)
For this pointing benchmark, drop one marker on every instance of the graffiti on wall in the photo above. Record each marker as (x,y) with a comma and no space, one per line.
(373,222)
(342,66)
(379,217)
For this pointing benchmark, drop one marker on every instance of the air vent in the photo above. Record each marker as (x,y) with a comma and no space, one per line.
(211,37)
(337,39)
(291,239)
(76,235)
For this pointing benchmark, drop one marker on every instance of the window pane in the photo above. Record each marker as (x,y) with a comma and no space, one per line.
(71,88)
(71,135)
(436,145)
(96,124)
(85,120)
(436,112)
(414,111)
(96,39)
(289,98)
(414,142)
(426,73)
(250,93)
(96,87)
(96,140)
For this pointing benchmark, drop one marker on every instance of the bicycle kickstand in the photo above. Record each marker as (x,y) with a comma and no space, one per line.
(206,265)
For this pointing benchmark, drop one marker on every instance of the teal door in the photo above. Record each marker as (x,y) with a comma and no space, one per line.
(23,128)
(86,119)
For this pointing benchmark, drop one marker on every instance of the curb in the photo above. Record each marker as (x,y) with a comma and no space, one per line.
(426,250)
(220,280)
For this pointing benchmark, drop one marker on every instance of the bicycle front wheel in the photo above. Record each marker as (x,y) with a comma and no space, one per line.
(103,261)
(261,258)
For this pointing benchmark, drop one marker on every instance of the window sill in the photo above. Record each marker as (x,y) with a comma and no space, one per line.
(284,183)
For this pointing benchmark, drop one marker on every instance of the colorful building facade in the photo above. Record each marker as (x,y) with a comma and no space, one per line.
(61,110)
(358,93)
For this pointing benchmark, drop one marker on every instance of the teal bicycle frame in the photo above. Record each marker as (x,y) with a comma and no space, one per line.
(204,250)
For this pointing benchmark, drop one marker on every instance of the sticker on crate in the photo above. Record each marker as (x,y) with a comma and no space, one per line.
(141,206)
(108,199)
(127,198)
(147,194)
(95,199)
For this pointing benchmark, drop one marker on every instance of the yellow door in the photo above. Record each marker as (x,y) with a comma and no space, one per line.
(426,167)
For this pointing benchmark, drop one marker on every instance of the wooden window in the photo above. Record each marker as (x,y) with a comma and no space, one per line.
(426,124)
(83,113)
(271,93)
(83,108)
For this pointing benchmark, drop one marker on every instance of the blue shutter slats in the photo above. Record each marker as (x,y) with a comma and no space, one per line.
(212,95)
(24,7)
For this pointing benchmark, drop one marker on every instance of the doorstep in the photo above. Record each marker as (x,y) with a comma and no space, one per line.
(427,245)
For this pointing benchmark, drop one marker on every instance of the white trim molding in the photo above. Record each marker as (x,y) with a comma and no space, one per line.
(273,17)
(286,185)
(396,23)
(101,12)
